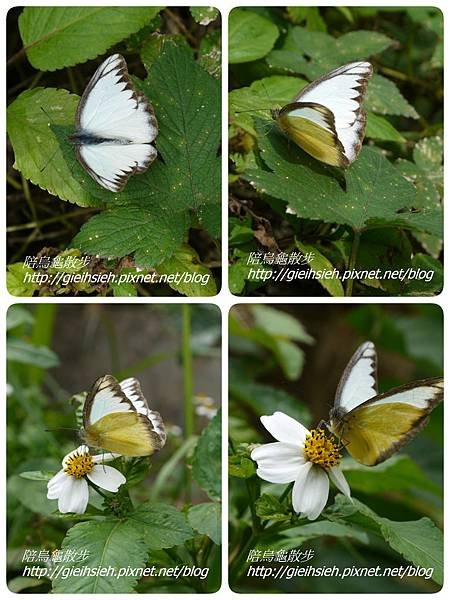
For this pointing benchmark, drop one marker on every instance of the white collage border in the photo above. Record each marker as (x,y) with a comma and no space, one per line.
(225,300)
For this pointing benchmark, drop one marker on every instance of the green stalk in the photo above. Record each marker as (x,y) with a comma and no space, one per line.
(352,260)
(42,334)
(188,384)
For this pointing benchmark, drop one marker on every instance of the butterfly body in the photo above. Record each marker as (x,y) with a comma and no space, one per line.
(326,118)
(117,418)
(374,426)
(115,127)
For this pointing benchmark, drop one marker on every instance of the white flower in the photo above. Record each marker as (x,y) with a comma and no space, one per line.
(69,486)
(308,458)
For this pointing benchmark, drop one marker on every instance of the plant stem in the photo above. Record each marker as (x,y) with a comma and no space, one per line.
(352,260)
(188,384)
(38,224)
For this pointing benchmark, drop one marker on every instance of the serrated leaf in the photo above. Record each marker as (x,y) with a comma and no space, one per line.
(38,154)
(419,542)
(63,36)
(187,275)
(314,53)
(269,508)
(383,97)
(162,525)
(109,543)
(206,464)
(204,15)
(206,519)
(250,36)
(152,234)
(375,193)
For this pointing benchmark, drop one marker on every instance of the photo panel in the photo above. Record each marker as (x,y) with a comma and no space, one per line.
(114,448)
(336,148)
(114,169)
(335,448)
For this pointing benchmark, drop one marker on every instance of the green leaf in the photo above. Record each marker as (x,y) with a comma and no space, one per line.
(162,525)
(269,508)
(57,37)
(18,315)
(23,352)
(37,475)
(384,97)
(152,234)
(239,462)
(379,128)
(196,279)
(204,15)
(310,531)
(37,152)
(19,584)
(263,94)
(398,473)
(321,264)
(206,464)
(206,519)
(314,53)
(110,543)
(279,323)
(374,194)
(419,542)
(250,36)
(264,399)
(15,280)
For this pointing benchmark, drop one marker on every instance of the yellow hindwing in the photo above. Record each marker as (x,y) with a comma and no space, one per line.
(313,139)
(122,432)
(372,433)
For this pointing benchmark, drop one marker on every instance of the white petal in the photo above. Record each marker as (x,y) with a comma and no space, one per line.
(74,496)
(106,477)
(98,458)
(310,491)
(278,462)
(337,477)
(285,429)
(56,484)
(83,449)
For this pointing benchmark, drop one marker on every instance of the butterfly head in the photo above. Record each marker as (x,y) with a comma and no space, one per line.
(275,113)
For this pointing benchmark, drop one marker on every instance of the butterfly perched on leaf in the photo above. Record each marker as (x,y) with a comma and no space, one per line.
(326,118)
(117,418)
(115,127)
(374,426)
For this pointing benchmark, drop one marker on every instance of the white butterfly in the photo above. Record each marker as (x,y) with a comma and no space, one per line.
(117,417)
(115,125)
(373,426)
(326,118)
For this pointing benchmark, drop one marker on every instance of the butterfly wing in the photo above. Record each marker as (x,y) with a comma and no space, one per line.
(359,380)
(111,165)
(120,120)
(326,118)
(111,421)
(132,389)
(373,431)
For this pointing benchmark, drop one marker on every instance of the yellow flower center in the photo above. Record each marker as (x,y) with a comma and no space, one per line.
(79,464)
(321,450)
